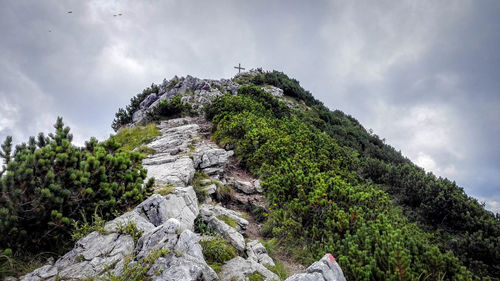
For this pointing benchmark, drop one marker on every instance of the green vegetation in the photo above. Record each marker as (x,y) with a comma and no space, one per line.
(130,229)
(49,186)
(217,251)
(16,266)
(136,271)
(458,222)
(201,227)
(272,250)
(124,116)
(258,213)
(84,228)
(279,269)
(224,193)
(200,181)
(320,203)
(256,277)
(164,189)
(229,221)
(135,138)
(166,109)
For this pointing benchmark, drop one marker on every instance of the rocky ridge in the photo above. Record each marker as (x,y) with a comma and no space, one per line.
(164,241)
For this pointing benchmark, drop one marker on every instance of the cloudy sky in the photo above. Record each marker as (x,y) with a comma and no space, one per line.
(424,75)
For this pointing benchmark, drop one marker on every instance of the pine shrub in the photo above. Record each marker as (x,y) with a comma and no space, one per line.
(48,185)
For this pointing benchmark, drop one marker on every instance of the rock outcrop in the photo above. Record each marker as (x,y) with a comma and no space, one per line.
(115,250)
(326,269)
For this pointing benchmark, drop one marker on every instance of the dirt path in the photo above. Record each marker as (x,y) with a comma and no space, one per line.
(254,230)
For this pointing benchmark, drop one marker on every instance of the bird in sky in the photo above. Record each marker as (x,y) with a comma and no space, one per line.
(70,12)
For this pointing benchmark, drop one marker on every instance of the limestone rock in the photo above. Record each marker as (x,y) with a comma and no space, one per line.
(140,221)
(91,256)
(184,268)
(158,159)
(183,205)
(138,116)
(326,269)
(179,172)
(185,261)
(247,187)
(238,269)
(277,92)
(211,160)
(211,188)
(155,209)
(174,137)
(257,252)
(162,236)
(219,211)
(148,101)
(222,228)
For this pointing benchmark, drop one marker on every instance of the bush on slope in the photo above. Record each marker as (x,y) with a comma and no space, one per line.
(319,203)
(48,184)
(459,222)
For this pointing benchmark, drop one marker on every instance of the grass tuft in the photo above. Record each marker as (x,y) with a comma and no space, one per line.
(131,138)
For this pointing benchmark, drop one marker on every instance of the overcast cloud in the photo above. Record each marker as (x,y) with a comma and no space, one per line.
(424,75)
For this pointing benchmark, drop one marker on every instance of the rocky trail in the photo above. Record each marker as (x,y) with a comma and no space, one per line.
(165,243)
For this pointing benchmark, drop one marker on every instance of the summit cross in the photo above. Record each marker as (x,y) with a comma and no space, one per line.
(239,67)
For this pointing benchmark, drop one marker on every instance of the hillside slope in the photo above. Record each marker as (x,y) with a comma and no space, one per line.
(338,187)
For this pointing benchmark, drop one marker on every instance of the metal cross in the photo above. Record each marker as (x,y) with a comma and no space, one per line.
(239,67)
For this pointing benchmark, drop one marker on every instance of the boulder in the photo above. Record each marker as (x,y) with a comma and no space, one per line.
(326,269)
(222,228)
(277,92)
(148,101)
(247,187)
(138,116)
(92,255)
(185,262)
(257,252)
(211,157)
(219,211)
(160,237)
(183,205)
(140,221)
(179,172)
(238,269)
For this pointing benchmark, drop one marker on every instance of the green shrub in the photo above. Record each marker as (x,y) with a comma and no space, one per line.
(290,87)
(318,201)
(166,109)
(82,229)
(130,229)
(279,269)
(49,184)
(199,185)
(124,116)
(217,250)
(201,227)
(258,213)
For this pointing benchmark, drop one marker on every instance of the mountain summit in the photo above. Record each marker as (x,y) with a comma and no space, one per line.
(249,178)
